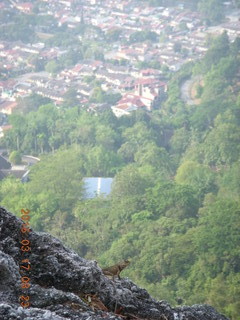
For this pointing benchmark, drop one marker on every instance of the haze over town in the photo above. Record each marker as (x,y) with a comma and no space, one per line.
(102,54)
(139,100)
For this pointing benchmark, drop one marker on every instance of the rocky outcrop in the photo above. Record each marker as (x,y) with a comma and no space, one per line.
(65,286)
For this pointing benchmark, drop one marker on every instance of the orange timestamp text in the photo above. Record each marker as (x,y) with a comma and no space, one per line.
(25,264)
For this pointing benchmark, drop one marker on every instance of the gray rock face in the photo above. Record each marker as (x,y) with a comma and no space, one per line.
(64,286)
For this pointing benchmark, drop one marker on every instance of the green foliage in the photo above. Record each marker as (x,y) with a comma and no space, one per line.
(61,39)
(97,95)
(218,49)
(150,154)
(15,157)
(200,177)
(179,141)
(53,67)
(128,182)
(102,162)
(173,200)
(58,183)
(31,103)
(212,10)
(6,15)
(212,234)
(235,46)
(174,207)
(221,146)
(112,98)
(72,57)
(36,62)
(113,35)
(230,182)
(177,47)
(70,98)
(154,64)
(20,28)
(140,36)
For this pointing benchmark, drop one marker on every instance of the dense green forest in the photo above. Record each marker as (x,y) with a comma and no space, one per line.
(174,210)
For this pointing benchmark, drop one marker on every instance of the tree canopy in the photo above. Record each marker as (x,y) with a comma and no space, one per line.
(174,207)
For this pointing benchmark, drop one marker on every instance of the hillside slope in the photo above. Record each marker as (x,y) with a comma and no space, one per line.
(66,286)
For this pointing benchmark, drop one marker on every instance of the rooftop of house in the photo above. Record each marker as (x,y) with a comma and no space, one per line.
(4,163)
(97,186)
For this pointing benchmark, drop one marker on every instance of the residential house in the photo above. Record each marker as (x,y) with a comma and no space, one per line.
(84,90)
(150,91)
(123,110)
(127,104)
(24,89)
(7,88)
(7,107)
(51,94)
(39,81)
(25,7)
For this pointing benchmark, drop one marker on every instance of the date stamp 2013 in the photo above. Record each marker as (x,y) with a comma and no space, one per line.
(25,264)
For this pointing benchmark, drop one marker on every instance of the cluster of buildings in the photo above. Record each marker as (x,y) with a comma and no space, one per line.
(138,88)
(126,68)
(181,37)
